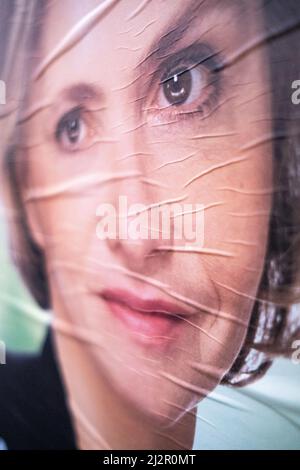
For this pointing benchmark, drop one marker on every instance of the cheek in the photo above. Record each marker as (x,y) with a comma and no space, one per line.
(66,227)
(238,229)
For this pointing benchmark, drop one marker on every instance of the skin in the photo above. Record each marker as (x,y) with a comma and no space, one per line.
(123,395)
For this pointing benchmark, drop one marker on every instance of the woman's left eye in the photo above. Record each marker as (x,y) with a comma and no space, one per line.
(189,83)
(184,86)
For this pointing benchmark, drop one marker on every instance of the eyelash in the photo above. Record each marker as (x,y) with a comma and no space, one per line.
(196,55)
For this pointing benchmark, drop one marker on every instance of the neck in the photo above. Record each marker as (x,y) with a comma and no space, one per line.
(101,420)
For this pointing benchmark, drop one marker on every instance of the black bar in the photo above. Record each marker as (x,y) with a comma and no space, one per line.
(134,459)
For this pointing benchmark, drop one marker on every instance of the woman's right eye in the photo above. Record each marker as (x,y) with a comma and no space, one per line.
(72,131)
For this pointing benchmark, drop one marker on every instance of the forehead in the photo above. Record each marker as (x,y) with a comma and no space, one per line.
(131,25)
(77,45)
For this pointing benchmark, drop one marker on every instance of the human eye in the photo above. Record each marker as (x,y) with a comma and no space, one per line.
(189,82)
(73,131)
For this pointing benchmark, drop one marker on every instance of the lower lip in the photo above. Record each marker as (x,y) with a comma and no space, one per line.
(148,328)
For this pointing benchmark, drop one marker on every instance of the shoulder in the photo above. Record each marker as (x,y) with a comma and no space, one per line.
(33,408)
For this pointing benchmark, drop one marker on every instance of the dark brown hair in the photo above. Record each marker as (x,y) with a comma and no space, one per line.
(275,320)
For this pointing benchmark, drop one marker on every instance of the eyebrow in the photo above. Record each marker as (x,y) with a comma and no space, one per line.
(174,32)
(81,92)
(179,25)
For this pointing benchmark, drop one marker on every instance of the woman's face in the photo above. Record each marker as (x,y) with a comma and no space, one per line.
(161,102)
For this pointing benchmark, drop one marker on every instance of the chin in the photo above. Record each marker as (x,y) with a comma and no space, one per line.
(157,400)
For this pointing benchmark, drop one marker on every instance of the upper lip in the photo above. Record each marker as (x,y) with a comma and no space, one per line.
(149,304)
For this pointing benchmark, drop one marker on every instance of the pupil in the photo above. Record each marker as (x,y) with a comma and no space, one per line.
(73,130)
(177,89)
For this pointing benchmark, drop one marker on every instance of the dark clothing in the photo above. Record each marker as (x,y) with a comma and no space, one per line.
(33,407)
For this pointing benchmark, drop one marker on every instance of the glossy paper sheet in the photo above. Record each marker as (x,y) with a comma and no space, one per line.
(150,190)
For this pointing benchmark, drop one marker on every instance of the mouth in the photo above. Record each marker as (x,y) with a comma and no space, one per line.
(151,321)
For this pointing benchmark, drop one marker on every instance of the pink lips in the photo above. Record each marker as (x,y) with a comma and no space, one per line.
(152,321)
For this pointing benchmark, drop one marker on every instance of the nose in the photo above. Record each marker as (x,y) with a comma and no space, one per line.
(139,232)
(136,201)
